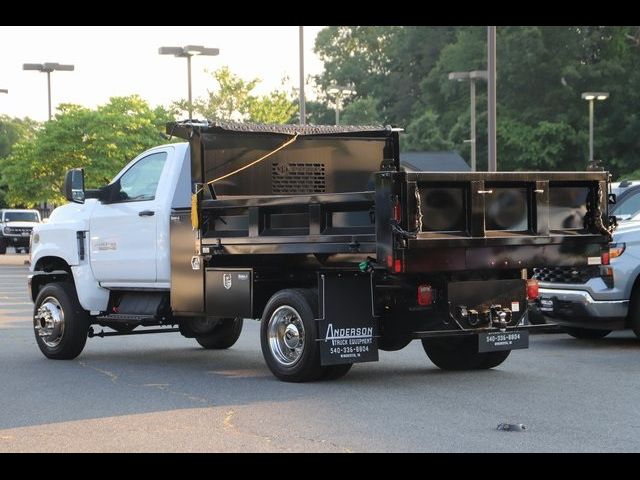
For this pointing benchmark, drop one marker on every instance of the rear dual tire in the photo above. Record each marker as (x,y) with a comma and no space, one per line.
(289,341)
(586,333)
(461,353)
(224,335)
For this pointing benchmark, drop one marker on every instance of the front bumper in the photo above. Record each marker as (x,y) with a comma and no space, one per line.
(578,308)
(16,240)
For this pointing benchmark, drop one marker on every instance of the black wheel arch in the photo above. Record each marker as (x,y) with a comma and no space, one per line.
(48,270)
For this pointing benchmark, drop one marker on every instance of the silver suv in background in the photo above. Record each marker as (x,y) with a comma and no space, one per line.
(593,300)
(628,199)
(15,229)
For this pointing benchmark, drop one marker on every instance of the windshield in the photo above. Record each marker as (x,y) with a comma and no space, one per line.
(21,217)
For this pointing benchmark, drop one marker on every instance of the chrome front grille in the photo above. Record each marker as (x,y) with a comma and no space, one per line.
(566,274)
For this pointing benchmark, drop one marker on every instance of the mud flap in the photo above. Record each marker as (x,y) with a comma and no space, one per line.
(347,327)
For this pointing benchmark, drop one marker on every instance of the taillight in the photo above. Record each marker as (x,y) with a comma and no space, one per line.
(397,265)
(533,290)
(616,249)
(425,295)
(604,258)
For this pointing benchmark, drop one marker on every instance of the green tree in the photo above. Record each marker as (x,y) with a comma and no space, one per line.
(233,101)
(542,121)
(101,140)
(277,107)
(363,111)
(13,131)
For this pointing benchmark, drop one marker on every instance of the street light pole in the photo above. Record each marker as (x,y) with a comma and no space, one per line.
(189,82)
(591,97)
(340,92)
(591,130)
(49,91)
(48,68)
(188,52)
(303,113)
(472,77)
(472,94)
(491,99)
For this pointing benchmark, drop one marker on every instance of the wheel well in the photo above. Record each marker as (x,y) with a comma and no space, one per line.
(48,270)
(635,289)
(50,264)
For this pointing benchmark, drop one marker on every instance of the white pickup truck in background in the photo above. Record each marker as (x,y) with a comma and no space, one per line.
(15,229)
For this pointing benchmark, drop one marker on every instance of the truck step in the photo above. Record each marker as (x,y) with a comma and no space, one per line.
(125,318)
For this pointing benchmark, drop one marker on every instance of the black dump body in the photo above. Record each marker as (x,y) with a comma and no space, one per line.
(285,202)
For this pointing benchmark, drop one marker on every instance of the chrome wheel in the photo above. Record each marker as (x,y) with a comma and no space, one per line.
(285,334)
(49,322)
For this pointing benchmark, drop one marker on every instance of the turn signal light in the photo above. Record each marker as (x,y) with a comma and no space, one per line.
(533,290)
(616,249)
(425,295)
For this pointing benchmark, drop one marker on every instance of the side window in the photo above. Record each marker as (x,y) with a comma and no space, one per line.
(629,206)
(140,182)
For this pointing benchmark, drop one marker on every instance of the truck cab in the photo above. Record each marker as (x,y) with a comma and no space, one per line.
(15,228)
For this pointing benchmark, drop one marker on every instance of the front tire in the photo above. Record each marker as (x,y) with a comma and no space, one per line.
(288,336)
(586,333)
(60,323)
(3,246)
(461,353)
(224,335)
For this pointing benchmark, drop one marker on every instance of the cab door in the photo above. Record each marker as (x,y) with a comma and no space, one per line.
(123,235)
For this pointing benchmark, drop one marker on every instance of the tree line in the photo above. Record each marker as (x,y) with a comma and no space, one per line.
(400,76)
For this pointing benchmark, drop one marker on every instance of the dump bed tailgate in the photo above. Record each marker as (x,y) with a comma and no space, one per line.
(470,221)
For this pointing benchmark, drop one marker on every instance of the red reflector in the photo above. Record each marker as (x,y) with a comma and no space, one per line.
(389,261)
(397,213)
(425,295)
(397,266)
(532,289)
(604,258)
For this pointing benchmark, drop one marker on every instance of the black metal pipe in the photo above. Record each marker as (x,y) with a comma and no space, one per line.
(102,333)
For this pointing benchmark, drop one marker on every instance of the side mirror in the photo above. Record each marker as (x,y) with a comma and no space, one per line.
(74,185)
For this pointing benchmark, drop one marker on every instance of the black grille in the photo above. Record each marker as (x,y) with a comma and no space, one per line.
(566,274)
(297,178)
(19,229)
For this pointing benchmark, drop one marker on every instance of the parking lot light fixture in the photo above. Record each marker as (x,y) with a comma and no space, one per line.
(591,97)
(47,68)
(340,93)
(472,76)
(187,52)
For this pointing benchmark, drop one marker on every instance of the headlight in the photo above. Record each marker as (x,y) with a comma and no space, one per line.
(7,230)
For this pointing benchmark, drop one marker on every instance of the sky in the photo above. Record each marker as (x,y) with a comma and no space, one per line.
(118,61)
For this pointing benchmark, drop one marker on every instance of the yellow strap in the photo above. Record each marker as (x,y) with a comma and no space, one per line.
(195,218)
(288,142)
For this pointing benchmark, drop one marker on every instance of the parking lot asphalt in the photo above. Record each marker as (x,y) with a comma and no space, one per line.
(164,393)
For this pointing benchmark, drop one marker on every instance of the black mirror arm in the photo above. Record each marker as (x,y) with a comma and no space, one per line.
(94,193)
